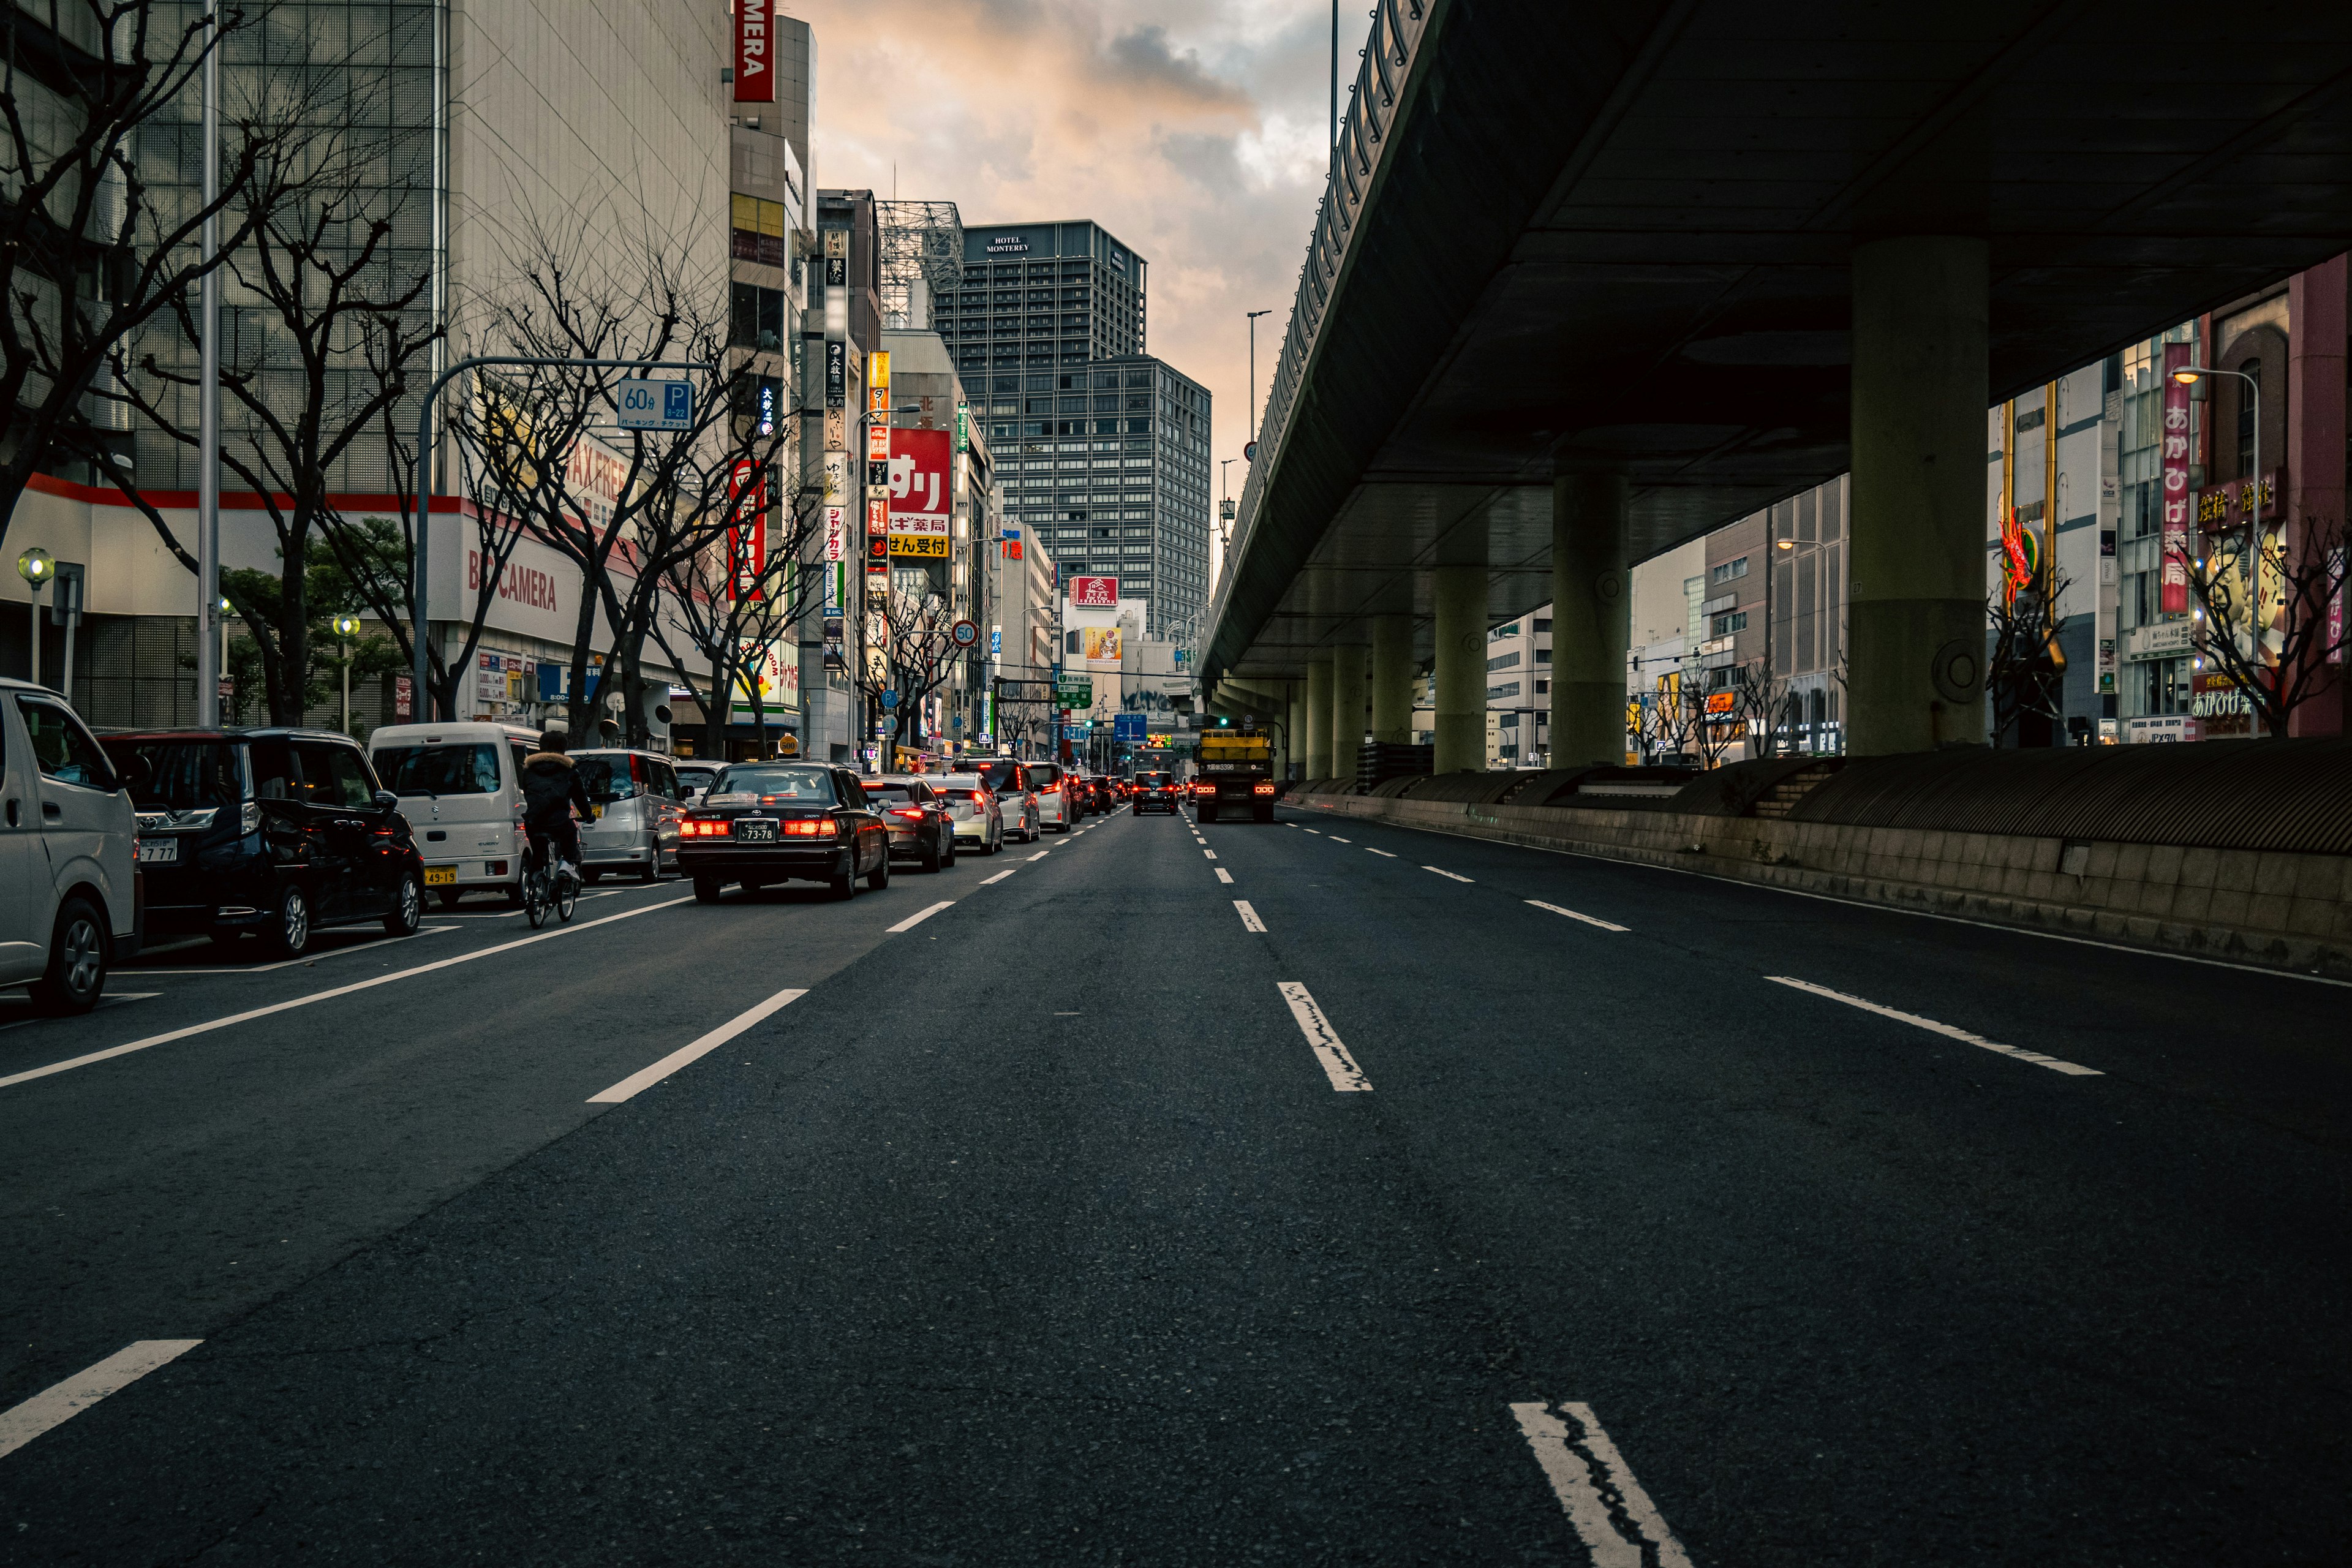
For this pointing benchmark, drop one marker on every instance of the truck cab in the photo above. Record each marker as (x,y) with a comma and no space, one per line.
(1236,774)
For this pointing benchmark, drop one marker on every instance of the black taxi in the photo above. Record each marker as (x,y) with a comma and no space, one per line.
(763,822)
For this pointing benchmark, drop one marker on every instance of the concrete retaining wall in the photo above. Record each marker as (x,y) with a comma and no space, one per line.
(2292,911)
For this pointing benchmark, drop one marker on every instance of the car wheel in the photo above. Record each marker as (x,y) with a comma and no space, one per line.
(931,859)
(652,873)
(76,977)
(290,936)
(407,911)
(844,886)
(949,858)
(449,896)
(880,878)
(705,890)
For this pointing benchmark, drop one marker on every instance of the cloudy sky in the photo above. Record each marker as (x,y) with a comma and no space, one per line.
(1192,130)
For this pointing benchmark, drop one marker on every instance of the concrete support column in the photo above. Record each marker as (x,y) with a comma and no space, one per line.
(1591,619)
(1458,675)
(1393,679)
(2315,477)
(1319,716)
(1348,691)
(1915,644)
(1294,750)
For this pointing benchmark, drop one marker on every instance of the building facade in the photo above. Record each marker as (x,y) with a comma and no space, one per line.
(1041,294)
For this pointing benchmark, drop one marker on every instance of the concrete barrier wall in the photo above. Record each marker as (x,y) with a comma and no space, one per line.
(2293,911)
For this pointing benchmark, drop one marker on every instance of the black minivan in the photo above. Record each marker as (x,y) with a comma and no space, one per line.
(277,831)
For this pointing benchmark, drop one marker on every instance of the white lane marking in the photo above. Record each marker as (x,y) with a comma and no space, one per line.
(1572,1481)
(1316,831)
(61,1402)
(1223,875)
(638,1082)
(1210,853)
(1571,914)
(1000,876)
(920,915)
(1444,872)
(1249,916)
(369,946)
(1336,839)
(1946,1030)
(1041,854)
(1381,853)
(289,1005)
(1340,1067)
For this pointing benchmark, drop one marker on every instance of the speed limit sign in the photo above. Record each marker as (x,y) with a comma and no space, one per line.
(966,634)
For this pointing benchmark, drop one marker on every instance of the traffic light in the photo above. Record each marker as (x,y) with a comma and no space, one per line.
(1224,721)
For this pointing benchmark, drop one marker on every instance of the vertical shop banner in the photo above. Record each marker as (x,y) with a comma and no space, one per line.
(2176,499)
(755,64)
(877,383)
(919,492)
(836,373)
(746,531)
(837,505)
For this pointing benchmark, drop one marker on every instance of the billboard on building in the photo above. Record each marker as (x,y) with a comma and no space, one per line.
(2175,456)
(1094,593)
(755,62)
(747,532)
(920,493)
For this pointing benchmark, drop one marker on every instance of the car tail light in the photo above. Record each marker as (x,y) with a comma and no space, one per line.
(1051,789)
(694,827)
(1262,789)
(810,827)
(1201,789)
(911,813)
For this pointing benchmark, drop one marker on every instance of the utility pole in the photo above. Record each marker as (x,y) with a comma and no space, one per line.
(208,572)
(1334,139)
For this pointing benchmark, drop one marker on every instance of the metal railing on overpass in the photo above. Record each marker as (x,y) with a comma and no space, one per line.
(1388,52)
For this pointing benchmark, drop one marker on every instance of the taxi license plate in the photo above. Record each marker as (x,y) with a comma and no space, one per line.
(751,831)
(440,876)
(158,851)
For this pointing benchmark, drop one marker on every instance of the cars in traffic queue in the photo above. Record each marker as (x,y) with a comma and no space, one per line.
(770,821)
(1058,804)
(1008,780)
(922,828)
(638,807)
(1099,794)
(973,808)
(69,881)
(1155,791)
(460,787)
(278,832)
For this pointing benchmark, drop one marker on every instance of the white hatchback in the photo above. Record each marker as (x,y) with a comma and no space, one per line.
(69,876)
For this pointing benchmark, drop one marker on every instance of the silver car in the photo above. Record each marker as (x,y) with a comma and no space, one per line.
(979,817)
(638,812)
(1007,778)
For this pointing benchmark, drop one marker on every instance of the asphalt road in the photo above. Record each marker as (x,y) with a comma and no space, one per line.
(1406,1198)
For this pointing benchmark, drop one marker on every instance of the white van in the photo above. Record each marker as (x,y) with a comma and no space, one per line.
(460,787)
(68,888)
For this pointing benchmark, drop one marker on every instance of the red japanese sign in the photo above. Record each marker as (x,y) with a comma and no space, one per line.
(747,534)
(755,64)
(920,489)
(1094,593)
(2174,497)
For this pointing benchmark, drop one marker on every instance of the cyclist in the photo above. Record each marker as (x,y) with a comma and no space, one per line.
(551,791)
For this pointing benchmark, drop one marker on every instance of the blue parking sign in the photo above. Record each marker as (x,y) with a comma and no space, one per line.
(678,402)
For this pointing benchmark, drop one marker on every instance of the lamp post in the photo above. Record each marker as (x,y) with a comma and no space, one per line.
(222,610)
(347,626)
(1253,315)
(2187,375)
(37,567)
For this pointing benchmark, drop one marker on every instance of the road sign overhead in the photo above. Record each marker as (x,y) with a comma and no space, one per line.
(657,405)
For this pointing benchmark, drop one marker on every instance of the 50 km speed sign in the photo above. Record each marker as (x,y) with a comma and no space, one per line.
(965,633)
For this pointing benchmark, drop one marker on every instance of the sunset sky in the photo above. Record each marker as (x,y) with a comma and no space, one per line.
(1192,130)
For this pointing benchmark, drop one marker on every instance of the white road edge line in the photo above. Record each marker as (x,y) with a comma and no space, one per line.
(920,915)
(1000,876)
(61,1402)
(637,1082)
(1571,1478)
(1571,914)
(1381,853)
(1455,875)
(1340,1067)
(1249,916)
(2070,1069)
(292,1003)
(1223,875)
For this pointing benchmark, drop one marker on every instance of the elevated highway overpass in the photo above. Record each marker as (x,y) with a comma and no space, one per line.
(1589,280)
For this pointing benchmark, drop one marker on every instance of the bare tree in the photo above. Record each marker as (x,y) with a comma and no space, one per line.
(1714,727)
(2279,653)
(917,651)
(2024,668)
(86,258)
(724,599)
(1666,720)
(1760,699)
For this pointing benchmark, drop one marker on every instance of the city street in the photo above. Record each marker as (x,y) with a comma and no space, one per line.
(1319,1192)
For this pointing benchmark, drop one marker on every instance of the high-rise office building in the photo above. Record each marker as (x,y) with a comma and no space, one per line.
(1040,294)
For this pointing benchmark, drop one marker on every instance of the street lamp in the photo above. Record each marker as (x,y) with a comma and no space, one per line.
(347,626)
(1253,315)
(2187,375)
(38,567)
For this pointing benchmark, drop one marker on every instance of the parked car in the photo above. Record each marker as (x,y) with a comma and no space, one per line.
(68,872)
(1155,792)
(1007,778)
(638,806)
(922,828)
(694,780)
(278,832)
(979,819)
(1057,808)
(774,822)
(460,787)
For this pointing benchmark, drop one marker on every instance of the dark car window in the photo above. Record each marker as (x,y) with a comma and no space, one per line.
(182,775)
(1044,774)
(802,785)
(606,776)
(1001,776)
(440,770)
(852,793)
(333,775)
(274,777)
(62,749)
(1152,781)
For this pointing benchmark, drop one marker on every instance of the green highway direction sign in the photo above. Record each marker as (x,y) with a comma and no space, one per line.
(1076,692)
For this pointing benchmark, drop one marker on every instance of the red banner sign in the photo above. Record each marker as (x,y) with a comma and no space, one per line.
(747,535)
(755,64)
(1094,593)
(2175,498)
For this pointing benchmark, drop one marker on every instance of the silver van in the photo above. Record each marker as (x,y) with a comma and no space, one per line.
(69,882)
(460,787)
(638,804)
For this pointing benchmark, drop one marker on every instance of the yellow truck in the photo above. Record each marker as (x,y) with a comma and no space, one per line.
(1236,774)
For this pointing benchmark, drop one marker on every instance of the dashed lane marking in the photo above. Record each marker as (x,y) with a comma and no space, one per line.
(61,1402)
(984,882)
(1597,1506)
(1336,839)
(291,1003)
(1223,875)
(1316,831)
(2070,1069)
(920,915)
(1249,916)
(637,1082)
(1456,876)
(1041,854)
(1340,1067)
(1571,914)
(1210,853)
(1381,853)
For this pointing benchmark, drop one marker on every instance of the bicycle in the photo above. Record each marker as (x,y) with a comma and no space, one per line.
(546,887)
